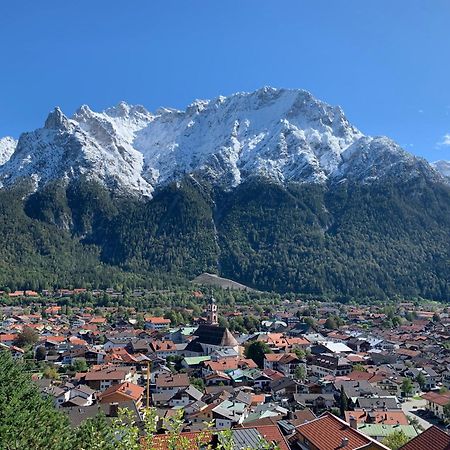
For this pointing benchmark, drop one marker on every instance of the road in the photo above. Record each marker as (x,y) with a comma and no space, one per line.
(413,408)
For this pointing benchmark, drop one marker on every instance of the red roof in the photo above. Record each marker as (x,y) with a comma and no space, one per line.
(161,441)
(439,438)
(271,433)
(439,399)
(127,390)
(385,417)
(328,432)
(7,337)
(157,320)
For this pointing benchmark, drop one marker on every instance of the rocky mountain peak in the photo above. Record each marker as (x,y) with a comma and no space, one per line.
(56,120)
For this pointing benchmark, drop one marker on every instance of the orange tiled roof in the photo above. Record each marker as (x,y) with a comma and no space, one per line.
(128,390)
(384,417)
(439,438)
(440,399)
(327,433)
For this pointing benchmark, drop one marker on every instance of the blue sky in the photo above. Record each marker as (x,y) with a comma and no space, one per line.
(385,62)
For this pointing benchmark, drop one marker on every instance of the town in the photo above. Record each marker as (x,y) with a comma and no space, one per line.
(294,373)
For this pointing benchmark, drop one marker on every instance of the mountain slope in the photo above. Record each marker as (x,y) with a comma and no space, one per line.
(443,167)
(352,241)
(63,150)
(7,147)
(273,189)
(280,134)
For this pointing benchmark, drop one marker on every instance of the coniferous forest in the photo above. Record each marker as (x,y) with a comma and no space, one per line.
(345,241)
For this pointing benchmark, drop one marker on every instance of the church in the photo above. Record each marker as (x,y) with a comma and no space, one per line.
(210,337)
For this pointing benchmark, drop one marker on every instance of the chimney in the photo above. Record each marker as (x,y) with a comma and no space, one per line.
(353,422)
(344,442)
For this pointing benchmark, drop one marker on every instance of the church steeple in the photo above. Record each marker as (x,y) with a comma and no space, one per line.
(211,312)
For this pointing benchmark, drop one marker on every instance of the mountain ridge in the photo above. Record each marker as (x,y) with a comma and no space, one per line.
(285,135)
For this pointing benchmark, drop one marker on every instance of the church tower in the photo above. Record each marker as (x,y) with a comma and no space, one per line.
(211,312)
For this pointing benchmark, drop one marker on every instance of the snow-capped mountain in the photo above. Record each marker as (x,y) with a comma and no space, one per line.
(64,150)
(7,147)
(443,167)
(282,134)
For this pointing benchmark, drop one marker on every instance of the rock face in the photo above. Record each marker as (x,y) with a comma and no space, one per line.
(442,167)
(7,147)
(279,134)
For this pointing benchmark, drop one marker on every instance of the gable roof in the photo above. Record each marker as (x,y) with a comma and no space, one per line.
(215,335)
(439,438)
(170,380)
(385,417)
(328,432)
(129,391)
(440,399)
(251,437)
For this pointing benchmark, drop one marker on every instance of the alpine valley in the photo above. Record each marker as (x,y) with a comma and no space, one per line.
(273,189)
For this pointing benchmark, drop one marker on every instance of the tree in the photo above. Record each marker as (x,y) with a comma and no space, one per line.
(343,402)
(80,365)
(407,387)
(331,324)
(301,354)
(94,433)
(51,373)
(27,420)
(395,440)
(421,380)
(198,383)
(358,367)
(300,372)
(256,351)
(27,337)
(41,353)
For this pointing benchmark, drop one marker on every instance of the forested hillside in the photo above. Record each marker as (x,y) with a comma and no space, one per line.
(346,241)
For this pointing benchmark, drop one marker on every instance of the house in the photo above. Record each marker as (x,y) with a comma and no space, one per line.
(389,417)
(163,349)
(123,392)
(69,395)
(317,402)
(436,403)
(380,431)
(7,338)
(359,345)
(103,378)
(80,396)
(354,389)
(439,438)
(229,413)
(330,347)
(156,323)
(192,439)
(286,363)
(328,432)
(217,378)
(171,383)
(429,375)
(377,403)
(251,437)
(329,364)
(185,397)
(283,387)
